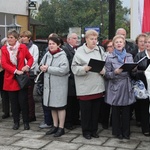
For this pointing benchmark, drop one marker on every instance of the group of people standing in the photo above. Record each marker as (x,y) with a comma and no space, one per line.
(71,87)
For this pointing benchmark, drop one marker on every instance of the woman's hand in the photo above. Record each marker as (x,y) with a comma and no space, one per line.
(103,72)
(26,68)
(19,72)
(87,68)
(118,71)
(44,68)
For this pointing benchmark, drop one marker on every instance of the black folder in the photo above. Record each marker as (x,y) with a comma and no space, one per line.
(128,67)
(97,65)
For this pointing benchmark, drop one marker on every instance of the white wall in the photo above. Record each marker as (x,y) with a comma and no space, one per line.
(14,6)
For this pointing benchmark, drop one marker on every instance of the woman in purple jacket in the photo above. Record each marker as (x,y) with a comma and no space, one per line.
(119,92)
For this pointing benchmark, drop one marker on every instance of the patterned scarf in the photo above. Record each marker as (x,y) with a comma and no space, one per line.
(13,50)
(120,54)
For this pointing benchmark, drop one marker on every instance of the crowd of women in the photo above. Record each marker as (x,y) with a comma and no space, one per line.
(105,96)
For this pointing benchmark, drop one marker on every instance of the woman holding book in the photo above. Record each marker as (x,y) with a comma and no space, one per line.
(143,104)
(89,85)
(119,92)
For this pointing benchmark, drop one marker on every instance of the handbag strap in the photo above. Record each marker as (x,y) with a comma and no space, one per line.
(100,51)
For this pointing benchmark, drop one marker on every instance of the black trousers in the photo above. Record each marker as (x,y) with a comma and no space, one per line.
(104,114)
(72,111)
(5,102)
(142,111)
(89,115)
(121,120)
(19,103)
(31,101)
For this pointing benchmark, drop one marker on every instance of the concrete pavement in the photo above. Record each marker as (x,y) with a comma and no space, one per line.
(35,138)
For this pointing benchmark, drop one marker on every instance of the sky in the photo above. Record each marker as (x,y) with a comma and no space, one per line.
(126,3)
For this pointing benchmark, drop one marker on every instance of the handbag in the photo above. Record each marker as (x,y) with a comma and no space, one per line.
(32,76)
(23,80)
(140,91)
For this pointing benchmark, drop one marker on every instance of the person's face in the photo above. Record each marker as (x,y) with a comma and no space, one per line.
(11,40)
(24,39)
(110,47)
(73,40)
(52,45)
(121,32)
(119,44)
(91,41)
(141,43)
(147,44)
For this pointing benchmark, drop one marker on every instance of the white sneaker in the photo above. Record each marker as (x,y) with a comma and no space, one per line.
(44,125)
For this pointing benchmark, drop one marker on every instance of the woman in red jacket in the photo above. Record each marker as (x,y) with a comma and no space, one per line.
(13,61)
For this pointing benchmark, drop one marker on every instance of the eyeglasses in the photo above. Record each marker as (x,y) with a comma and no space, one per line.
(74,38)
(109,46)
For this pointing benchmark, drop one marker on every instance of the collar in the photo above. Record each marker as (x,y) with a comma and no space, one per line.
(87,50)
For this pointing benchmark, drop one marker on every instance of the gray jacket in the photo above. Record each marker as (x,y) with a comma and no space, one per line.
(119,91)
(87,83)
(55,79)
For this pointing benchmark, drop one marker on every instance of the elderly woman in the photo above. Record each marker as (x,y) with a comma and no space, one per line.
(119,92)
(14,55)
(140,41)
(143,104)
(55,66)
(25,38)
(89,85)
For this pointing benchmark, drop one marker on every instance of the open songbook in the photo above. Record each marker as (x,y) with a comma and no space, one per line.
(97,65)
(130,66)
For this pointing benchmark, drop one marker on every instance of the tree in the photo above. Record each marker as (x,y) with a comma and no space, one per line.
(59,15)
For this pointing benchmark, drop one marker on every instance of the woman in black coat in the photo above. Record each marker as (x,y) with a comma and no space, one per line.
(143,104)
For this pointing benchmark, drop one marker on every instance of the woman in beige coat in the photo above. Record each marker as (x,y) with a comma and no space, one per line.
(89,85)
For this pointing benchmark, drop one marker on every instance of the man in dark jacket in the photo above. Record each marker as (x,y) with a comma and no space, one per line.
(72,112)
(129,46)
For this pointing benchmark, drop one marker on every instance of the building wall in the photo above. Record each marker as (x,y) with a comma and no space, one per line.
(13,11)
(23,21)
(14,7)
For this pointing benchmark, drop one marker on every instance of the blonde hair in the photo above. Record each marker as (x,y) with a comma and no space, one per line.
(91,32)
(26,34)
(117,37)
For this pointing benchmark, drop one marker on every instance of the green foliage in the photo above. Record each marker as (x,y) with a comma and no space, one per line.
(59,15)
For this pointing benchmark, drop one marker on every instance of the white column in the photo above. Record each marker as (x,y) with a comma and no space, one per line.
(136,18)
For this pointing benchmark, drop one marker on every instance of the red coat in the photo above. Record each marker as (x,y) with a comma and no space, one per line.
(10,83)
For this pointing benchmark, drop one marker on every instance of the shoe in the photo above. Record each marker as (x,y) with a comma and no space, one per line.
(16,126)
(119,137)
(126,137)
(44,125)
(147,134)
(5,116)
(104,126)
(69,126)
(32,119)
(26,126)
(52,130)
(95,135)
(87,136)
(59,132)
(138,124)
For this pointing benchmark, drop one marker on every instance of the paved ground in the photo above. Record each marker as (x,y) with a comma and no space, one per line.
(35,138)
